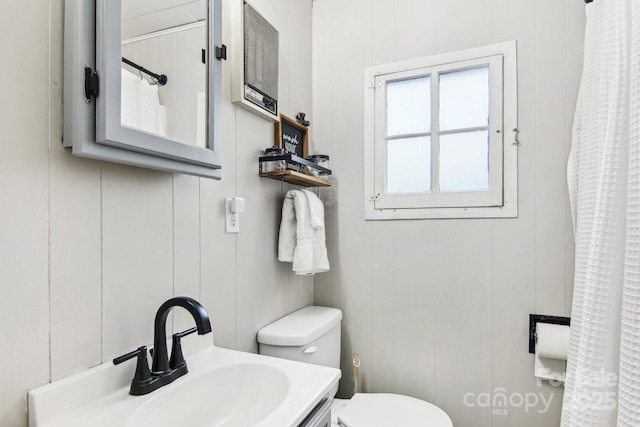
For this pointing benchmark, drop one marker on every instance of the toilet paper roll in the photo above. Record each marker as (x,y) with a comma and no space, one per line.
(552,347)
(552,341)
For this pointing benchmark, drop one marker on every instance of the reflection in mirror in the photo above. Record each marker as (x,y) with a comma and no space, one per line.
(168,38)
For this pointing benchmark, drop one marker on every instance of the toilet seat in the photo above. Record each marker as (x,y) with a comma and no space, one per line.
(384,410)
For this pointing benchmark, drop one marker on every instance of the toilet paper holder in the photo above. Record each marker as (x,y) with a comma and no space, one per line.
(541,318)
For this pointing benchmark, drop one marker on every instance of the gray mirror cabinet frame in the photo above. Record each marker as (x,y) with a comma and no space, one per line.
(92,38)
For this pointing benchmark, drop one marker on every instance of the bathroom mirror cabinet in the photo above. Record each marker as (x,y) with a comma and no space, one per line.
(118,108)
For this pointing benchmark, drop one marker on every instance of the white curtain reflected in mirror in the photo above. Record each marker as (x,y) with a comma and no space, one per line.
(141,108)
(165,38)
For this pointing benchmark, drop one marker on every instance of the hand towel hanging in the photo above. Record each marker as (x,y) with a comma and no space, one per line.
(302,233)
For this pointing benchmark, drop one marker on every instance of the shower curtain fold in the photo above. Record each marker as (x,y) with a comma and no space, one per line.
(603,368)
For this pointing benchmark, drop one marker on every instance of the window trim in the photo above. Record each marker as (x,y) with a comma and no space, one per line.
(491,197)
(376,206)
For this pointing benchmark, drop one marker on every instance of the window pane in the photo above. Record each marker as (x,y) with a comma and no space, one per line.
(409,165)
(409,106)
(464,98)
(464,161)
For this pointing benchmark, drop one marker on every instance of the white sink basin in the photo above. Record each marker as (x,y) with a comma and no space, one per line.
(241,394)
(223,388)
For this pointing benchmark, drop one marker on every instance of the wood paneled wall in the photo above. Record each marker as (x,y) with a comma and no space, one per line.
(90,250)
(438,309)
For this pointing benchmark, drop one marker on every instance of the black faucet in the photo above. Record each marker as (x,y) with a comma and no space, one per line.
(165,370)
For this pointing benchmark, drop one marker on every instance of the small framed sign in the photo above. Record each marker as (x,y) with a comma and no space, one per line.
(292,136)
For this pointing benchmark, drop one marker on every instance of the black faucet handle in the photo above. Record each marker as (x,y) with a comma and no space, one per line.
(177,359)
(118,360)
(143,374)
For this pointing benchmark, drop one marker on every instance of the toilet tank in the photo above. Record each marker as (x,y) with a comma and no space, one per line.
(311,334)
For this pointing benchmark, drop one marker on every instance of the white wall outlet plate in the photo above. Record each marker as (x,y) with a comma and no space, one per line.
(232,220)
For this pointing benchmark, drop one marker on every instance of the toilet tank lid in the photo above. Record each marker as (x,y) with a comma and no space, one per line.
(300,327)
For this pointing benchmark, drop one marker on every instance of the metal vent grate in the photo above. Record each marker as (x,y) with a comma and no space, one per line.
(260,53)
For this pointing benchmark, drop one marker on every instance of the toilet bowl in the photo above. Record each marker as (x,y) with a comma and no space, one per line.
(312,335)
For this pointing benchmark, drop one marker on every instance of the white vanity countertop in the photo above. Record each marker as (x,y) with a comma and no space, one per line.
(232,388)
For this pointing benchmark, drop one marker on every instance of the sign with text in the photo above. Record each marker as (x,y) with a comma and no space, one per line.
(292,136)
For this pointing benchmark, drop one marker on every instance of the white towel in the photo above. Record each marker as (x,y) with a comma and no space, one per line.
(287,238)
(302,235)
(316,209)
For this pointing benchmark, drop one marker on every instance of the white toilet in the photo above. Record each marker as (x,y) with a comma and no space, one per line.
(312,334)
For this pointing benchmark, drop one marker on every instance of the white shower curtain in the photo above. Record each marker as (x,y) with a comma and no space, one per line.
(140,105)
(603,369)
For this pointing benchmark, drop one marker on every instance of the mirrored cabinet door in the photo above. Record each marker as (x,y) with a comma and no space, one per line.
(159,83)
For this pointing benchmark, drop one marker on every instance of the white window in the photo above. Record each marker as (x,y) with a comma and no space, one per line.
(441,136)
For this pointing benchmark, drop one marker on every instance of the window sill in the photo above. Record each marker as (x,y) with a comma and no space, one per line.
(372,214)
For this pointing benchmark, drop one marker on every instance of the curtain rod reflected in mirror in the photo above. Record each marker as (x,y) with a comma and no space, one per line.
(160,79)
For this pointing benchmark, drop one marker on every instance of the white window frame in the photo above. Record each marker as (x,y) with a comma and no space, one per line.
(501,199)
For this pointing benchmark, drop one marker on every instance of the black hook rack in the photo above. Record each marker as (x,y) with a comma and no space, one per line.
(161,79)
